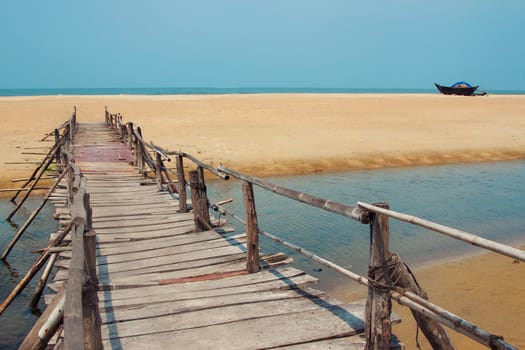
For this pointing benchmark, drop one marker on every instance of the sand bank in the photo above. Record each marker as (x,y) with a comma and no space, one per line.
(290,133)
(304,133)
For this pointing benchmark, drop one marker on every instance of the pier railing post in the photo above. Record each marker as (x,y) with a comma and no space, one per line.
(139,155)
(158,171)
(203,195)
(195,197)
(181,181)
(252,230)
(130,135)
(379,304)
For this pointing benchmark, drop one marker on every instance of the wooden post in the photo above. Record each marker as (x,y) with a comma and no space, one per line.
(130,135)
(182,185)
(73,310)
(203,196)
(252,230)
(195,197)
(106,115)
(158,171)
(140,152)
(378,304)
(57,155)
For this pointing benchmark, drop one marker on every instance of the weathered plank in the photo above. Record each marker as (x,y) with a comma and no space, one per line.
(310,325)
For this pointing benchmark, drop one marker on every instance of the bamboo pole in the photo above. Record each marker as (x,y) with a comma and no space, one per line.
(402,296)
(197,162)
(33,185)
(42,281)
(355,213)
(46,325)
(252,230)
(24,281)
(37,169)
(22,189)
(451,232)
(34,269)
(30,219)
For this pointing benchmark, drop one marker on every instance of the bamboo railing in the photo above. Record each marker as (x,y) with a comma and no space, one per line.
(388,277)
(76,307)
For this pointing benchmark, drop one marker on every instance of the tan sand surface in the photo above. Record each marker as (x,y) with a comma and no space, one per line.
(292,134)
(485,289)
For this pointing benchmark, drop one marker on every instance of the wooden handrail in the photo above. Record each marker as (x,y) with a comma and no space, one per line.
(355,213)
(451,232)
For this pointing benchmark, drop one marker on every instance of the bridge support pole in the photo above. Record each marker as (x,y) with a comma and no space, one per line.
(181,181)
(252,230)
(378,305)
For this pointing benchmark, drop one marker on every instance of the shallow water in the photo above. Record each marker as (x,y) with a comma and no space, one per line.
(486,199)
(18,319)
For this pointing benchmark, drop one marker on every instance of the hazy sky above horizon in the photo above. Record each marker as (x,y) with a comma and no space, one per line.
(273,43)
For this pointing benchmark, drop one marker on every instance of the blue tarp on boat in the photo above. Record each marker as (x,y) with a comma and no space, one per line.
(461,84)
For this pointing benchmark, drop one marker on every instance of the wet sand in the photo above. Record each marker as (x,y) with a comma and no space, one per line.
(304,133)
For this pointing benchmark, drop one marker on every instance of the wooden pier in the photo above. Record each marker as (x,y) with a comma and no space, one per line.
(142,267)
(163,285)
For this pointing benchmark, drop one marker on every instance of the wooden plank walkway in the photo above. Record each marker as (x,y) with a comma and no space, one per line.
(164,286)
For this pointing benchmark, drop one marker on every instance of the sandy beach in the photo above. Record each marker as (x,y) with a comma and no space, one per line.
(278,134)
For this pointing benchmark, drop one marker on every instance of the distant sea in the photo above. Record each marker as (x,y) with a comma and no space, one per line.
(219,91)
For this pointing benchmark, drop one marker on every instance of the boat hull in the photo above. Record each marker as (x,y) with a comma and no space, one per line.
(463,91)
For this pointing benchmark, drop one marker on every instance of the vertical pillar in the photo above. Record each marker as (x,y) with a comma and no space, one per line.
(378,304)
(158,171)
(195,198)
(130,135)
(181,184)
(203,195)
(252,230)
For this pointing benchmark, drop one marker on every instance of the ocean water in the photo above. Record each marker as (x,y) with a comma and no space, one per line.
(216,91)
(486,199)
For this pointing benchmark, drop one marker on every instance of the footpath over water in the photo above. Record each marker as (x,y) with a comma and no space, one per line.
(162,285)
(141,267)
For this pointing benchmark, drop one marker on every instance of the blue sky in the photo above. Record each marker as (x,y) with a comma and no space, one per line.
(270,43)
